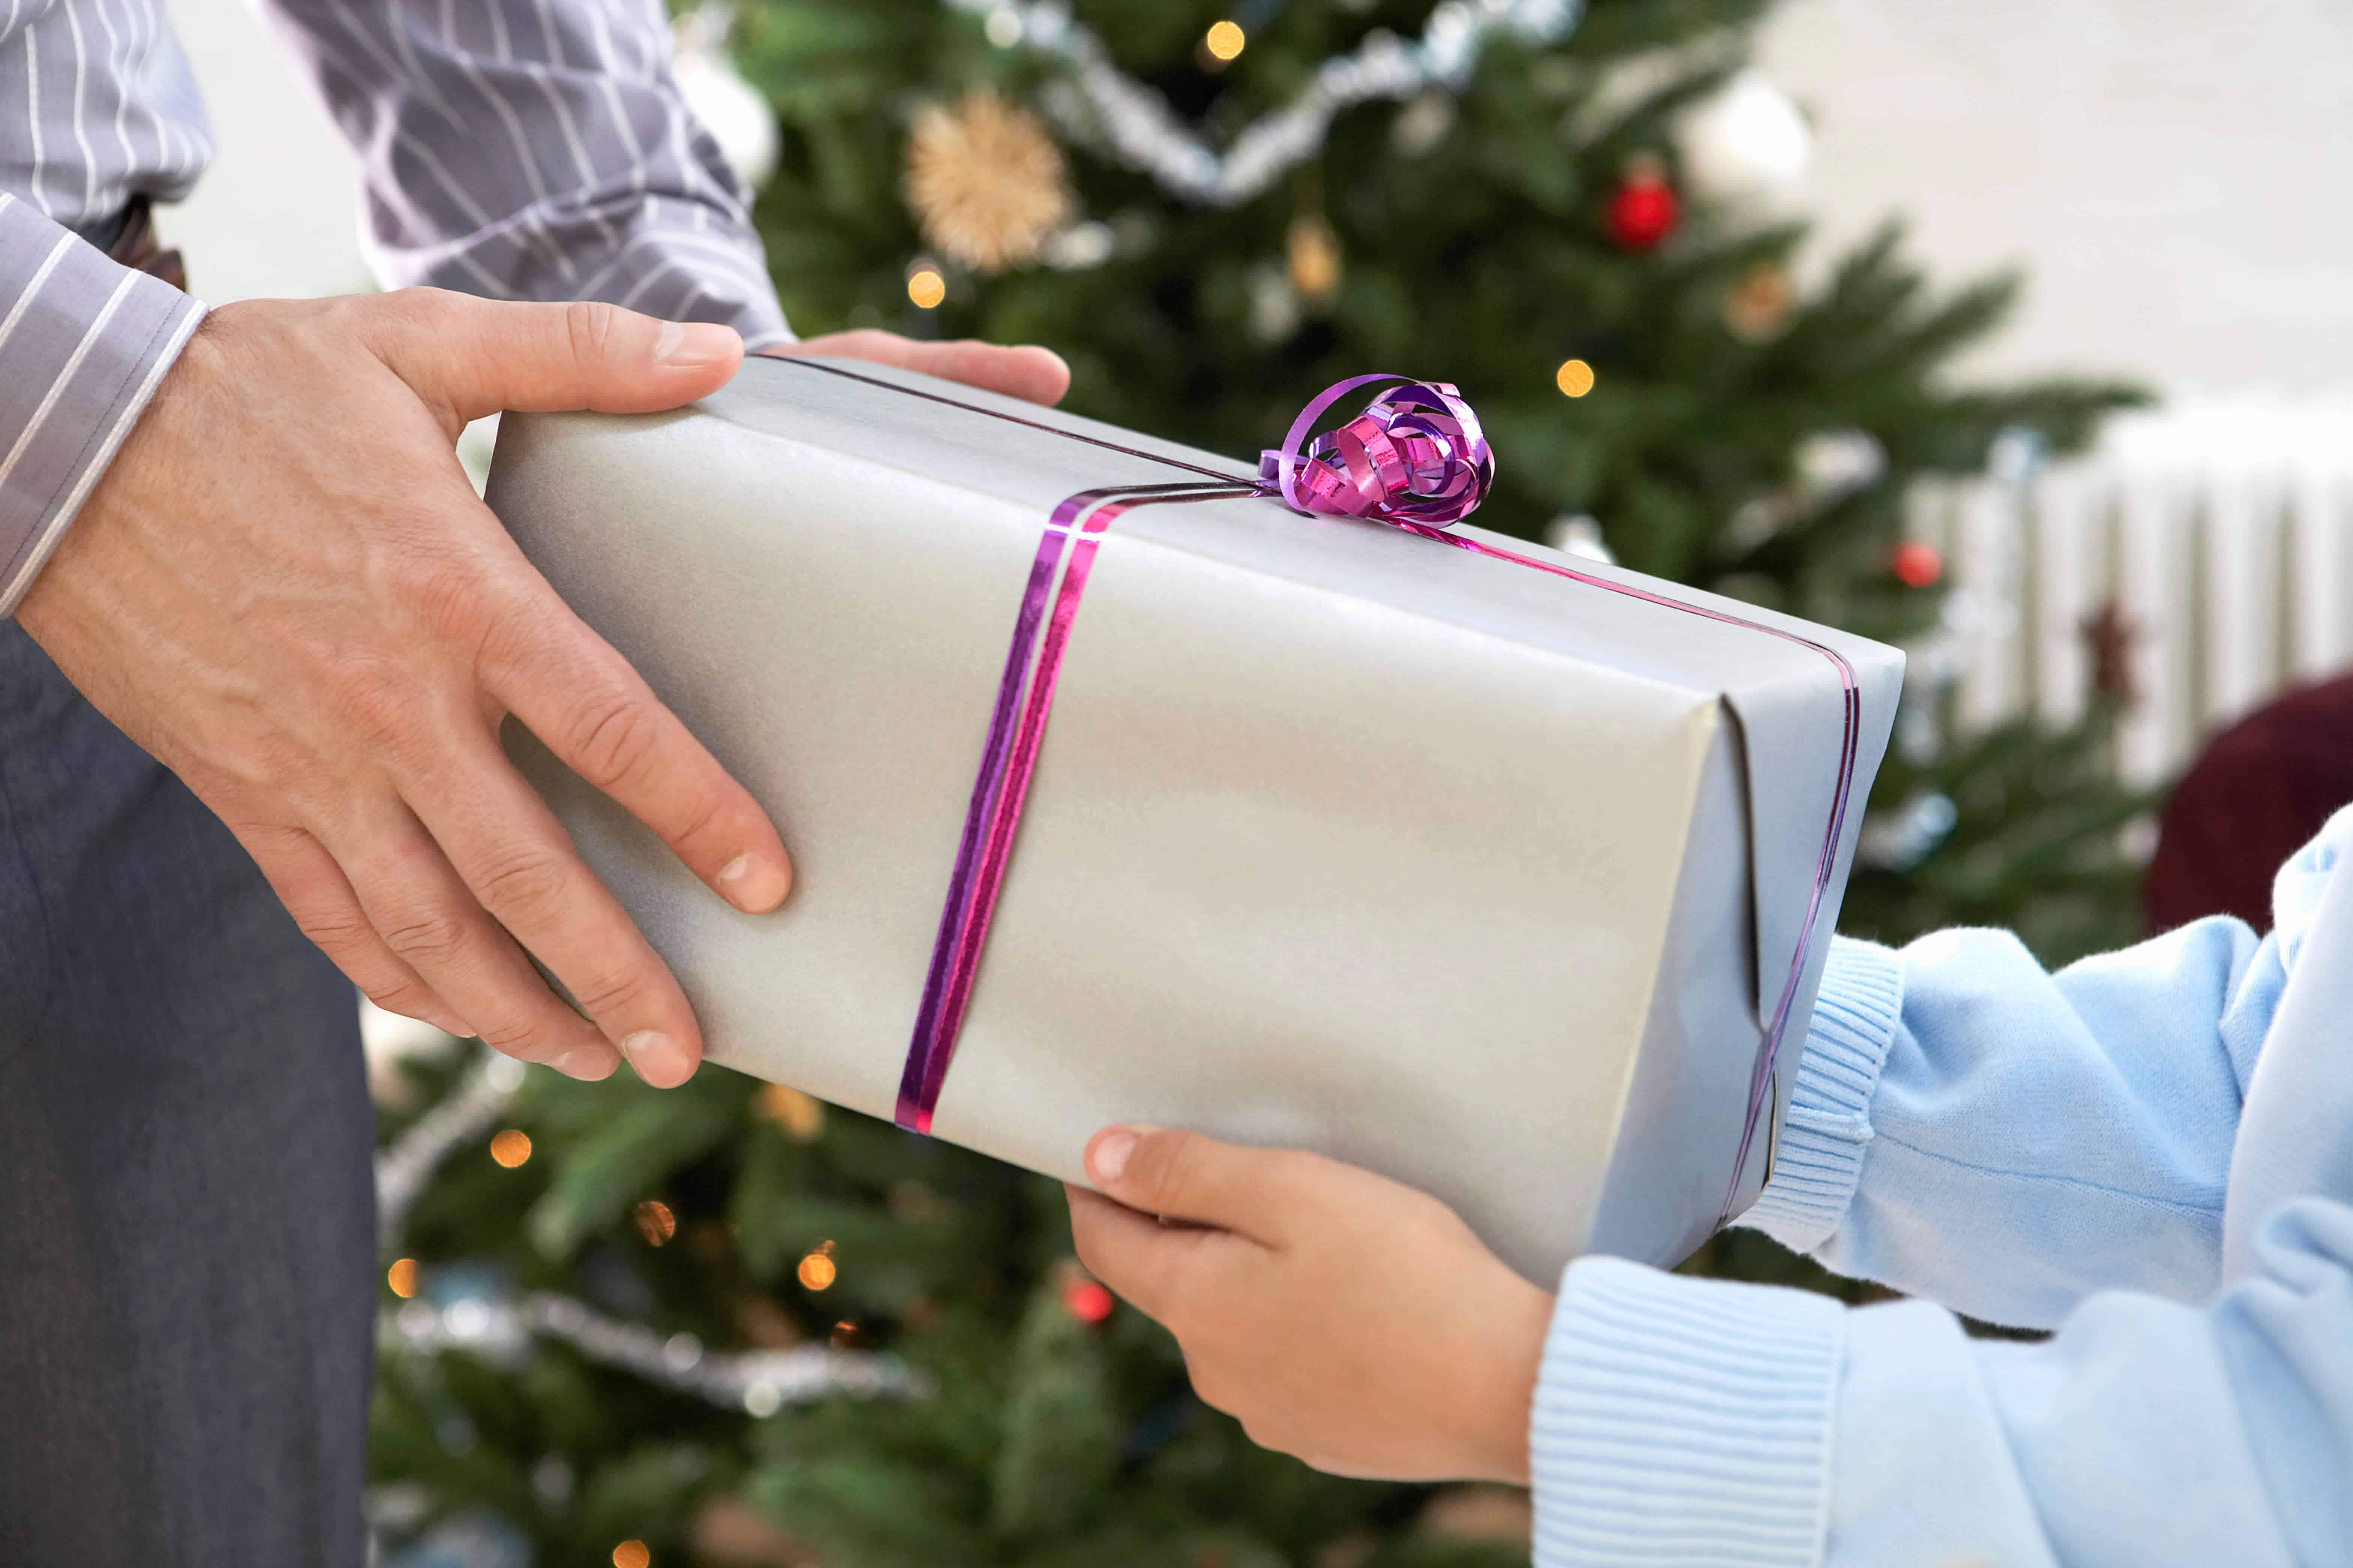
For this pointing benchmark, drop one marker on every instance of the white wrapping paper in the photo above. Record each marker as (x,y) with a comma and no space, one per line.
(1339,838)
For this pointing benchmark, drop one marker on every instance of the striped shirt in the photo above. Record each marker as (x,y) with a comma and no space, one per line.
(520,149)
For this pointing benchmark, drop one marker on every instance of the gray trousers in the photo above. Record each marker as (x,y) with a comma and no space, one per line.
(187,1258)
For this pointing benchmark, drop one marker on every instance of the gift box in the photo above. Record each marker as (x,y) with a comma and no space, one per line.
(1501,872)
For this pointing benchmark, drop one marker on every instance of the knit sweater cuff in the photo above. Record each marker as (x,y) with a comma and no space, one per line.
(1820,1157)
(1683,1421)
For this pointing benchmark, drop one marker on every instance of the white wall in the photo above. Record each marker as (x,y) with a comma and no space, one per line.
(278,213)
(2172,174)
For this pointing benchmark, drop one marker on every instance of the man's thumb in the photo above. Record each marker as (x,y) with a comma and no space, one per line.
(475,357)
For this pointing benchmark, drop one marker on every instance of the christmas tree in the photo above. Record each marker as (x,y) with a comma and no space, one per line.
(729,1324)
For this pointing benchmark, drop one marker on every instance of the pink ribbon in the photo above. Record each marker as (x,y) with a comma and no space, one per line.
(1417,459)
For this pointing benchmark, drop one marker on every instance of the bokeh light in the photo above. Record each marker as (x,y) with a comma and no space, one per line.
(631,1554)
(1087,1301)
(512,1147)
(655,1221)
(1225,40)
(926,288)
(1916,564)
(802,1116)
(402,1276)
(1575,378)
(818,1269)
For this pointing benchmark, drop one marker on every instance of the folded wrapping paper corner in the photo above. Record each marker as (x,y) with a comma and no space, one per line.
(631,519)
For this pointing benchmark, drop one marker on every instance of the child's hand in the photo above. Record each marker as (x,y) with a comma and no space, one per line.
(1346,1320)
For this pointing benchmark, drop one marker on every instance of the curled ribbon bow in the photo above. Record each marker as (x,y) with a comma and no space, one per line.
(1416,455)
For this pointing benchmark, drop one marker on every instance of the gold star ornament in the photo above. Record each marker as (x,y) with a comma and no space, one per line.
(986,181)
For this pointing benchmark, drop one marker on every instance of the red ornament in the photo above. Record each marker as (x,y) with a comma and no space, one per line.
(1644,209)
(1087,1301)
(1916,565)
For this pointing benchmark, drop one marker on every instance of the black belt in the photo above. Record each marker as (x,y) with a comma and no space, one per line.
(134,245)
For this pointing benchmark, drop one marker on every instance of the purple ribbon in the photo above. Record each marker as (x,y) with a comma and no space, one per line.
(1417,459)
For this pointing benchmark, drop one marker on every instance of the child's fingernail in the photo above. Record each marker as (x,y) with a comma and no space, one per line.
(1110,1156)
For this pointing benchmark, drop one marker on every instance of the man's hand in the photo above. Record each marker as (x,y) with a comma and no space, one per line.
(1034,374)
(285,590)
(1346,1320)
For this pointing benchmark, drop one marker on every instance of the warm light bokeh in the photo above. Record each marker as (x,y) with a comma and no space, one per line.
(655,1221)
(817,1270)
(512,1147)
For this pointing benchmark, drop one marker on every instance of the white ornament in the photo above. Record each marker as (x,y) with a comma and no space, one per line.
(730,107)
(1747,142)
(1102,105)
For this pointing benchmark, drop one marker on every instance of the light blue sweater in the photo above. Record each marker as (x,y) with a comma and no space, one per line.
(2150,1152)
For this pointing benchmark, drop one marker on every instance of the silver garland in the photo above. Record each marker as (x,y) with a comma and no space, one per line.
(468,1113)
(759,1383)
(1101,105)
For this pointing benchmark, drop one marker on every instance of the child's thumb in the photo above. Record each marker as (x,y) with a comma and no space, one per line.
(1183,1175)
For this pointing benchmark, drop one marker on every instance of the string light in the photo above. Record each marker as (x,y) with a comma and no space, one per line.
(817,1270)
(801,1115)
(926,288)
(512,1147)
(1225,40)
(402,1276)
(1575,378)
(655,1221)
(631,1554)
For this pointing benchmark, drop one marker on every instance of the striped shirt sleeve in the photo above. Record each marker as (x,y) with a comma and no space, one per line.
(535,150)
(83,343)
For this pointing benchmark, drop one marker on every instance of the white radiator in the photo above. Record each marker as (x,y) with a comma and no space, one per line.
(2220,531)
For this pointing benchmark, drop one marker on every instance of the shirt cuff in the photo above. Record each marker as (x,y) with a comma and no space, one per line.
(1820,1157)
(1683,1421)
(84,342)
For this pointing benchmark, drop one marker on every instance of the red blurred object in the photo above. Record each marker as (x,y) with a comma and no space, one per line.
(1643,211)
(1087,1301)
(1916,565)
(2255,796)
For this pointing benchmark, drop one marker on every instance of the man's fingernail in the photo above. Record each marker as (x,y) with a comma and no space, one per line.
(753,883)
(585,1063)
(1110,1157)
(659,1061)
(690,345)
(450,1023)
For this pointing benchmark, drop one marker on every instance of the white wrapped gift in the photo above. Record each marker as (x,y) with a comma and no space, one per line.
(1491,879)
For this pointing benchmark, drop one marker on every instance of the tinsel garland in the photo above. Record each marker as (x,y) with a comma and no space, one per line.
(1100,104)
(758,1381)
